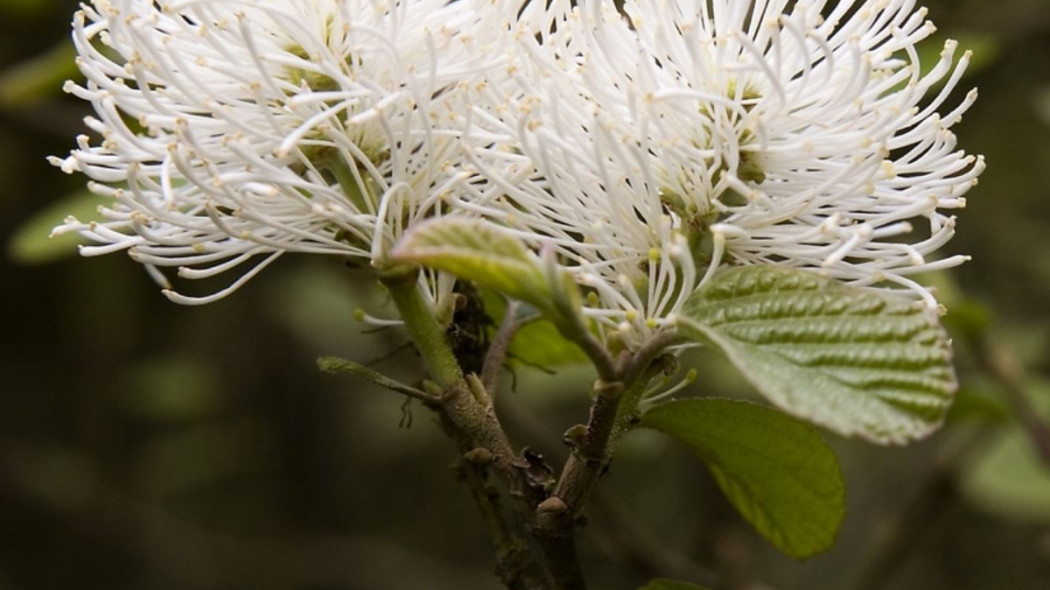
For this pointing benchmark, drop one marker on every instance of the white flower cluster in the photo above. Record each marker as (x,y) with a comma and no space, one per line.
(648,148)
(654,146)
(237,128)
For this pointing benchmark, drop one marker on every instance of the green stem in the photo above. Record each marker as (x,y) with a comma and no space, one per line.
(638,371)
(567,314)
(465,403)
(363,198)
(402,282)
(472,417)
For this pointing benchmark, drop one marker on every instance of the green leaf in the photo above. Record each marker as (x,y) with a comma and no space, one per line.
(538,343)
(663,584)
(32,242)
(335,366)
(479,252)
(856,361)
(774,469)
(541,344)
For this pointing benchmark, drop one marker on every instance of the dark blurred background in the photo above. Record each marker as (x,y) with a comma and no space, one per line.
(149,446)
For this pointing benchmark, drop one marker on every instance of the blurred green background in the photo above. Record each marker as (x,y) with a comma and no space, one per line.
(149,446)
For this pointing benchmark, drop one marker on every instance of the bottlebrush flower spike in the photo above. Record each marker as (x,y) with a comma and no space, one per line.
(655,147)
(237,128)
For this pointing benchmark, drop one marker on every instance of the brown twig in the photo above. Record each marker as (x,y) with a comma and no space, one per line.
(558,517)
(497,353)
(516,566)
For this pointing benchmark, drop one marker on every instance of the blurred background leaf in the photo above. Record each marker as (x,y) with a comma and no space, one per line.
(33,243)
(38,77)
